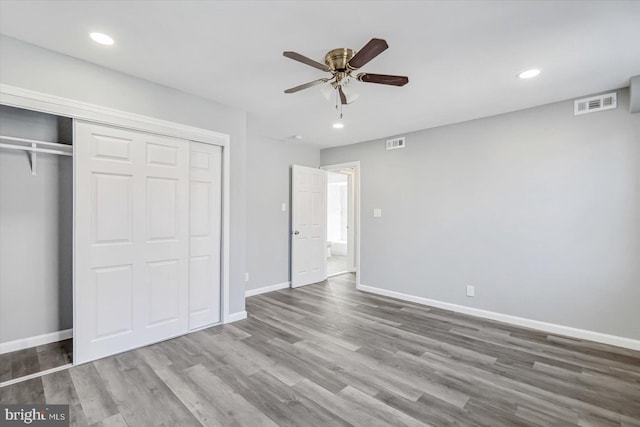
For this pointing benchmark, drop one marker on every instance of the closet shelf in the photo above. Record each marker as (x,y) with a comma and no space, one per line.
(36,146)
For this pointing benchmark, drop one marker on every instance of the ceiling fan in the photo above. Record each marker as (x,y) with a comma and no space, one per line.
(341,63)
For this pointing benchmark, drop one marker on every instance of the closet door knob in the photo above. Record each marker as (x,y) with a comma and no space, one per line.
(296,232)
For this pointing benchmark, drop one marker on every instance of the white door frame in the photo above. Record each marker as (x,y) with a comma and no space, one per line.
(46,103)
(358,213)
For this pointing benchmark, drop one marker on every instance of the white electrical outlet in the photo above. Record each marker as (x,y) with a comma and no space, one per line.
(246,277)
(471,291)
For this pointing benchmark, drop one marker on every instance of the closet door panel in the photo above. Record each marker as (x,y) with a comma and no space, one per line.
(162,212)
(112,209)
(131,239)
(205,237)
(166,241)
(113,294)
(163,292)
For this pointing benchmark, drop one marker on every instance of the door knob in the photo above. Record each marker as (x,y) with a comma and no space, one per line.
(296,232)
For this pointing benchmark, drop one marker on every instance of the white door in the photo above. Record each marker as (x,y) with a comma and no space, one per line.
(309,226)
(131,239)
(204,257)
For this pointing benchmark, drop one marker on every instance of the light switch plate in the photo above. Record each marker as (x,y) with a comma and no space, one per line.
(284,207)
(377,213)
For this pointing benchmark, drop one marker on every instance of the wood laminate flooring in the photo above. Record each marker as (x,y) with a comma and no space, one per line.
(29,361)
(326,354)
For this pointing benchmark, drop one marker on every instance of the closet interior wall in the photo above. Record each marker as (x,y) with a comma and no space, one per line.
(36,229)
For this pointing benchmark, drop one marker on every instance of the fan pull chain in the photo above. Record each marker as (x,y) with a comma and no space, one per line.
(338,101)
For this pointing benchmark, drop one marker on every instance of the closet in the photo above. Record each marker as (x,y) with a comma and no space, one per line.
(36,211)
(147,238)
(110,233)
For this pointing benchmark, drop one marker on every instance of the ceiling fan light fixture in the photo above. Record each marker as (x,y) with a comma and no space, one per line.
(349,87)
(529,73)
(328,91)
(341,62)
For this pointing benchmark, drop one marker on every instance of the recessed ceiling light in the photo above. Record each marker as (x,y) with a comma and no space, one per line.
(529,73)
(338,125)
(101,38)
(297,137)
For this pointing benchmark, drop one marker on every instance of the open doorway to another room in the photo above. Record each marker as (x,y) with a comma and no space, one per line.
(341,221)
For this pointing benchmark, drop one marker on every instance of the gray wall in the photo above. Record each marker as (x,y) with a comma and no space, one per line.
(538,209)
(268,186)
(27,66)
(634,88)
(35,230)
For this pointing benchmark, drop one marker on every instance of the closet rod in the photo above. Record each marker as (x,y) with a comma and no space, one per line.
(35,150)
(34,146)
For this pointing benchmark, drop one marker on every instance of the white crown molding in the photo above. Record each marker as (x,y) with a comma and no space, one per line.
(265,289)
(21,344)
(514,320)
(52,104)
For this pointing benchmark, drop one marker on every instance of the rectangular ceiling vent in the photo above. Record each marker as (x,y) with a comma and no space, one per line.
(394,144)
(595,103)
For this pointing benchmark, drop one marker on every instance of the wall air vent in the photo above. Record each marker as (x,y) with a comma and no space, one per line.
(595,103)
(393,144)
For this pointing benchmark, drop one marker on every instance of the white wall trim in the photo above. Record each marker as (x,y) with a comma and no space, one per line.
(22,343)
(47,103)
(339,273)
(234,317)
(514,320)
(265,289)
(225,262)
(38,101)
(36,375)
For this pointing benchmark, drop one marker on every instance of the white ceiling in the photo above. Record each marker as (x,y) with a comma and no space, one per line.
(462,57)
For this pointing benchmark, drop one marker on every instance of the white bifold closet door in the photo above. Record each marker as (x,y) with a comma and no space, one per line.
(131,239)
(205,238)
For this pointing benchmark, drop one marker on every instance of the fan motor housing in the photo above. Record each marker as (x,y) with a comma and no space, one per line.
(337,59)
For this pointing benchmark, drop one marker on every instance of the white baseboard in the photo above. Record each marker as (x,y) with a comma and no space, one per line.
(234,317)
(265,289)
(340,273)
(514,320)
(36,375)
(21,344)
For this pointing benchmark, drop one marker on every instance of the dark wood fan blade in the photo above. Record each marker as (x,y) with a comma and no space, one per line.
(343,97)
(301,58)
(372,49)
(306,85)
(383,79)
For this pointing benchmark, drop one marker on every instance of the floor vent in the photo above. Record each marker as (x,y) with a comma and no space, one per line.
(393,144)
(607,101)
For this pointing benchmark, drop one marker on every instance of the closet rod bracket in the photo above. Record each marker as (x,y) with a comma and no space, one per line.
(33,154)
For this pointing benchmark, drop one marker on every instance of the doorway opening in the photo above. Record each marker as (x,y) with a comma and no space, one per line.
(342,219)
